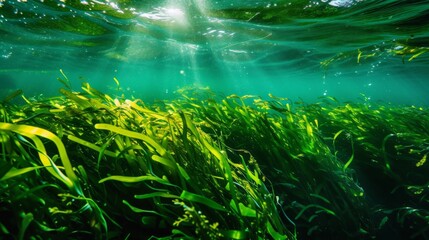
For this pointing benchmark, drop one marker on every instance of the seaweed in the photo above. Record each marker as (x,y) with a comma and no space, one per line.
(88,164)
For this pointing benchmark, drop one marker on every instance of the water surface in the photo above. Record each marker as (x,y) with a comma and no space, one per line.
(296,49)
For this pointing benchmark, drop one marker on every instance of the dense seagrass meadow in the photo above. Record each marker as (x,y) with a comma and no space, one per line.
(87,165)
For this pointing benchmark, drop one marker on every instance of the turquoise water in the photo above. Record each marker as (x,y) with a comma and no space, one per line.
(296,49)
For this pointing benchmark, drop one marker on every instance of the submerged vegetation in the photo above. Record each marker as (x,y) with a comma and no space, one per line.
(408,52)
(87,164)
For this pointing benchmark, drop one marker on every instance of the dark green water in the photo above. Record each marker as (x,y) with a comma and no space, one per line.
(378,48)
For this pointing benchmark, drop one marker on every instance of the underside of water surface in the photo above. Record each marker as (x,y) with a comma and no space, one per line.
(193,119)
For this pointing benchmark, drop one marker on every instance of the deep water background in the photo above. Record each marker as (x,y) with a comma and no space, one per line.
(241,47)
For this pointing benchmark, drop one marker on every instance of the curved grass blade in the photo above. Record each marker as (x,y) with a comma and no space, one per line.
(274,234)
(243,210)
(351,157)
(164,161)
(128,179)
(235,234)
(132,134)
(314,206)
(27,219)
(139,210)
(91,145)
(79,100)
(201,199)
(183,173)
(12,96)
(14,172)
(31,132)
(65,81)
(156,194)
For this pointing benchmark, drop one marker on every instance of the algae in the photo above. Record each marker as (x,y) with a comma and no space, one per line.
(88,164)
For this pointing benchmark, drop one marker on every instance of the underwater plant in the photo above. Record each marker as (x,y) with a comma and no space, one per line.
(388,145)
(132,166)
(88,164)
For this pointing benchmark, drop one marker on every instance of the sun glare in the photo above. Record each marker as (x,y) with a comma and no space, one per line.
(176,14)
(172,14)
